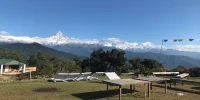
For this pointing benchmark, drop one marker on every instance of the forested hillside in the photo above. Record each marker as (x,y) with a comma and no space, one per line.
(29,49)
(5,53)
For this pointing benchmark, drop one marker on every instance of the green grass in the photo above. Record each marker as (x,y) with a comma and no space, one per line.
(194,78)
(89,90)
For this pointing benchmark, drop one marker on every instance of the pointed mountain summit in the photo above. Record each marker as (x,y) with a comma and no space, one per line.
(59,35)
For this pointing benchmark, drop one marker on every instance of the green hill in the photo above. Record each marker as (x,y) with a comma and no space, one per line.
(34,48)
(169,61)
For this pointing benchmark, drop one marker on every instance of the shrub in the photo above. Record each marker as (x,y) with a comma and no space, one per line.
(24,76)
(194,72)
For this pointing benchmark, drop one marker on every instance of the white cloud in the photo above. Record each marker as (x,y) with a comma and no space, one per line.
(3,33)
(114,40)
(192,48)
(148,44)
(108,44)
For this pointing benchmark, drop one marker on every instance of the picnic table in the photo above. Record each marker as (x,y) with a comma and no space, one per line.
(184,81)
(122,82)
(154,79)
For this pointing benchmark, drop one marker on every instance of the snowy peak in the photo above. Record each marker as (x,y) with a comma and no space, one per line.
(60,39)
(59,36)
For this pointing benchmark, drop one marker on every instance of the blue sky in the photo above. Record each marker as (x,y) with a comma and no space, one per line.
(130,20)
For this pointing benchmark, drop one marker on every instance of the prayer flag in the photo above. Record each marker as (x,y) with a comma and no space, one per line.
(180,40)
(191,39)
(165,40)
(174,40)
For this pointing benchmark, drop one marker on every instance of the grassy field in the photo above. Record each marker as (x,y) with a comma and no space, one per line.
(89,90)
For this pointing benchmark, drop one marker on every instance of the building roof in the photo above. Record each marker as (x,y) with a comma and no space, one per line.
(10,62)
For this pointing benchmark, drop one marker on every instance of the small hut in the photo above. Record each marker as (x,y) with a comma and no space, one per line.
(11,66)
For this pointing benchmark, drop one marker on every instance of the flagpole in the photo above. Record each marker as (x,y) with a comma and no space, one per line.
(161,47)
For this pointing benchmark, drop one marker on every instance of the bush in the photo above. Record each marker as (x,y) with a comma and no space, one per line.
(48,66)
(194,72)
(24,76)
(181,69)
(21,77)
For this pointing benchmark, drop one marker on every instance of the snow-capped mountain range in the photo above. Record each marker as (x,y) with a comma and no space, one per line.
(61,39)
(67,44)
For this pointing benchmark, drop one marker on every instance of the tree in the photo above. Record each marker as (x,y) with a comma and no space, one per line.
(146,66)
(77,60)
(85,65)
(98,61)
(113,60)
(151,65)
(32,60)
(48,65)
(117,59)
(7,54)
(67,67)
(136,64)
(194,72)
(44,64)
(180,69)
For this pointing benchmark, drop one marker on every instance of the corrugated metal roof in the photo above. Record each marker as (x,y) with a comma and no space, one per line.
(9,62)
